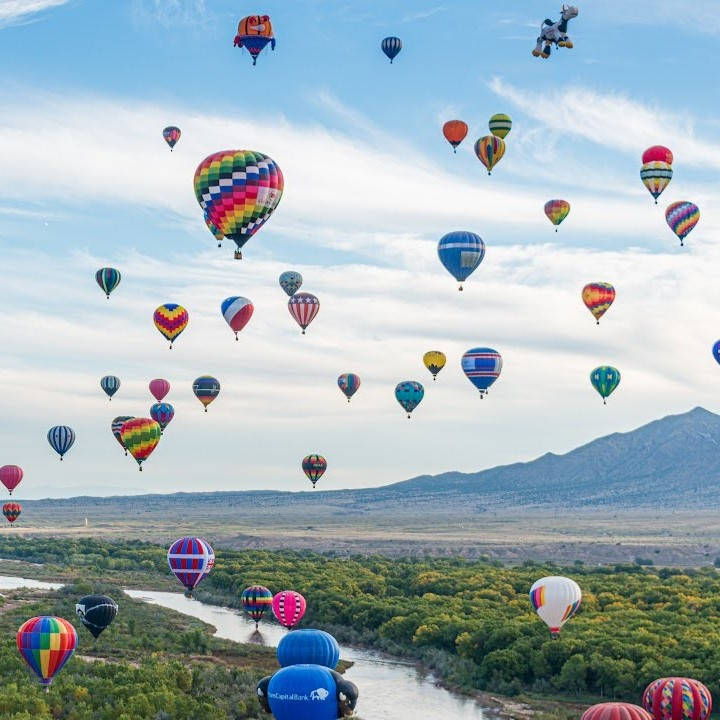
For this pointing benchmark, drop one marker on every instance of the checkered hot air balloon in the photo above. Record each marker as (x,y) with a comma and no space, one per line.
(140,437)
(598,297)
(11,511)
(303,307)
(191,559)
(46,643)
(409,394)
(171,319)
(489,151)
(237,312)
(171,134)
(206,389)
(255,600)
(289,607)
(482,367)
(682,217)
(314,466)
(556,211)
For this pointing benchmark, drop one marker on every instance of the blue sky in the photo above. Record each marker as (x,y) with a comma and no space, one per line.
(370,187)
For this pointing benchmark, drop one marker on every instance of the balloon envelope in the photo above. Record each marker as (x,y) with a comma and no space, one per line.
(237,312)
(677,698)
(303,692)
(290,282)
(434,361)
(555,599)
(455,132)
(489,151)
(605,379)
(171,319)
(159,388)
(140,437)
(303,307)
(110,385)
(162,414)
(500,125)
(96,612)
(615,711)
(315,647)
(206,389)
(254,33)
(409,394)
(116,427)
(656,176)
(598,297)
(348,384)
(314,466)
(10,476)
(288,606)
(557,211)
(482,367)
(391,46)
(12,511)
(658,153)
(61,439)
(191,559)
(682,217)
(255,601)
(461,252)
(46,643)
(108,279)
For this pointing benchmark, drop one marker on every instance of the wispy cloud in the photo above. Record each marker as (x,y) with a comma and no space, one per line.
(423,14)
(13,12)
(169,13)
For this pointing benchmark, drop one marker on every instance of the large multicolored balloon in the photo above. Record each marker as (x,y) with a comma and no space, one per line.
(314,466)
(348,384)
(254,33)
(110,385)
(255,600)
(116,427)
(238,190)
(303,307)
(557,211)
(391,46)
(206,389)
(162,414)
(171,134)
(434,361)
(455,132)
(108,279)
(409,394)
(10,476)
(500,125)
(657,153)
(303,692)
(682,217)
(605,379)
(489,151)
(96,612)
(677,698)
(159,388)
(11,511)
(61,439)
(308,647)
(237,312)
(171,319)
(191,559)
(615,711)
(482,367)
(140,437)
(46,643)
(461,252)
(598,297)
(656,176)
(555,599)
(288,607)
(290,282)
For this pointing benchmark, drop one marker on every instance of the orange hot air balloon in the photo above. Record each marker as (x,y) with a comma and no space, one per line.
(598,297)
(455,132)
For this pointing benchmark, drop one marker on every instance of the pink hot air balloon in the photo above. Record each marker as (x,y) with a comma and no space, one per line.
(10,476)
(615,711)
(159,388)
(288,607)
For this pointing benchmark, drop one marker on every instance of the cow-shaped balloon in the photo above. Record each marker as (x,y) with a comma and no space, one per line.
(555,33)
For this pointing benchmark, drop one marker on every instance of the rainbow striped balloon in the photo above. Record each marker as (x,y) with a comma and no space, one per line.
(682,217)
(656,176)
(171,319)
(489,151)
(46,643)
(140,437)
(255,601)
(557,211)
(677,698)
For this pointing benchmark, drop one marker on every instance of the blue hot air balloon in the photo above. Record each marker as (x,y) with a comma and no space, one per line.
(409,394)
(461,252)
(162,413)
(291,282)
(716,351)
(482,367)
(391,46)
(315,647)
(348,384)
(61,439)
(303,692)
(110,384)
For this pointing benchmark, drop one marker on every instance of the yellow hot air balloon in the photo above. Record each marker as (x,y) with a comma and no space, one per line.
(500,125)
(489,151)
(434,361)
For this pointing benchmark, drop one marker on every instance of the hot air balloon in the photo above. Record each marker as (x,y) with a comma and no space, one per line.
(303,692)
(191,559)
(171,135)
(290,282)
(677,698)
(557,211)
(461,252)
(96,612)
(206,389)
(598,297)
(171,319)
(555,599)
(255,600)
(657,153)
(482,367)
(409,394)
(348,384)
(108,279)
(140,437)
(391,46)
(237,312)
(314,466)
(116,427)
(682,217)
(303,647)
(61,439)
(303,307)
(162,414)
(455,132)
(11,511)
(656,176)
(110,384)
(254,33)
(615,711)
(288,607)
(238,190)
(159,388)
(500,125)
(489,151)
(715,352)
(46,643)
(10,476)
(605,379)
(434,361)
(214,229)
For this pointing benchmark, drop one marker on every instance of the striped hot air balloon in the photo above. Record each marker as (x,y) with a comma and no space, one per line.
(682,217)
(206,389)
(482,367)
(555,599)
(598,297)
(191,559)
(61,439)
(116,427)
(461,252)
(289,607)
(255,600)
(46,643)
(110,385)
(171,319)
(108,279)
(615,711)
(500,125)
(656,176)
(11,511)
(489,151)
(677,698)
(303,307)
(237,312)
(391,46)
(140,437)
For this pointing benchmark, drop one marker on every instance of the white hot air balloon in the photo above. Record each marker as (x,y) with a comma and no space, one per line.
(555,599)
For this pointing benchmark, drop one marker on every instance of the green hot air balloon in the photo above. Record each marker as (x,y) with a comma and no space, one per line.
(605,379)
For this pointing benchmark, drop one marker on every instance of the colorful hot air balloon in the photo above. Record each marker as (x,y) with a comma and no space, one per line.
(677,698)
(348,384)
(171,319)
(461,252)
(108,279)
(11,511)
(409,394)
(303,307)
(605,379)
(434,361)
(288,607)
(489,151)
(110,384)
(116,427)
(10,476)
(254,33)
(255,600)
(61,439)
(656,176)
(290,282)
(500,125)
(159,388)
(314,466)
(216,232)
(140,437)
(162,414)
(615,711)
(96,612)
(303,692)
(455,132)
(555,599)
(191,559)
(303,647)
(206,389)
(682,217)
(557,211)
(391,46)
(171,135)
(657,153)
(237,312)
(598,297)
(46,643)
(482,367)
(238,190)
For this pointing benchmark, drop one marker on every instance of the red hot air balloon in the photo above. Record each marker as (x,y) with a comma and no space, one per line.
(658,153)
(303,307)
(455,132)
(12,511)
(616,711)
(677,698)
(288,607)
(159,388)
(10,476)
